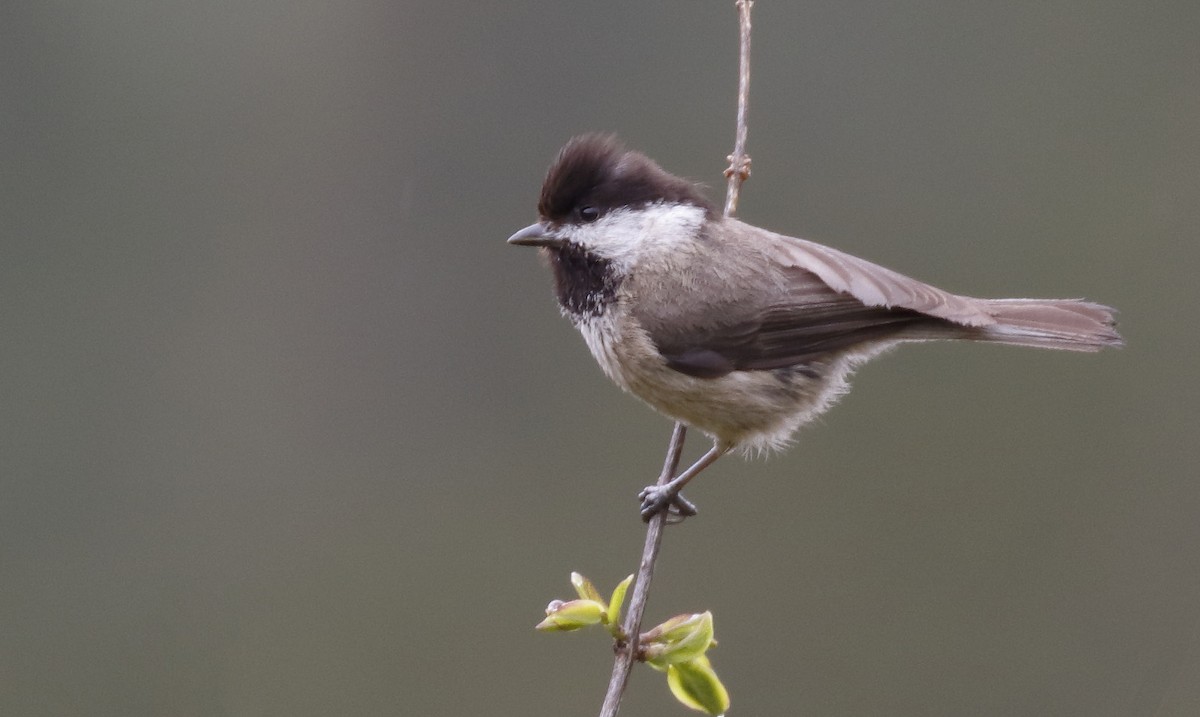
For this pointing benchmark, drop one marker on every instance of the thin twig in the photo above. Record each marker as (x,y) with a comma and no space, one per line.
(627,652)
(738,172)
(739,162)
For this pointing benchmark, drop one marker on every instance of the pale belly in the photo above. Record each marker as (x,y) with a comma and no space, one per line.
(753,410)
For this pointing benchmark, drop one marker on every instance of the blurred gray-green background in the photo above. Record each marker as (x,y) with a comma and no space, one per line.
(289,430)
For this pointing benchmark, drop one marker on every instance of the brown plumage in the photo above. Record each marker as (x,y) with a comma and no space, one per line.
(797,300)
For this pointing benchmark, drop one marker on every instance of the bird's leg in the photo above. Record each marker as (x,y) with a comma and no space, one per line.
(656,498)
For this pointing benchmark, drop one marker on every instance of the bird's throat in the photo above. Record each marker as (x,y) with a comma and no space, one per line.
(586,284)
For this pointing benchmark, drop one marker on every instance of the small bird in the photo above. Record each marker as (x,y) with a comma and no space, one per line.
(734,330)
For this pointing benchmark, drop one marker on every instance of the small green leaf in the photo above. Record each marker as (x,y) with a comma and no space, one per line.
(696,685)
(585,589)
(681,639)
(618,599)
(566,616)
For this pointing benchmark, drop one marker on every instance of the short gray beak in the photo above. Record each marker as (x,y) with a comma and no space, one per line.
(534,235)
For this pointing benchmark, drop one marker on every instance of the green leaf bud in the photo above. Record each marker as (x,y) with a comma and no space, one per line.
(585,588)
(681,639)
(696,685)
(615,603)
(571,615)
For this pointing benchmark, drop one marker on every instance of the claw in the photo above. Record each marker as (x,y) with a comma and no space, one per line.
(656,499)
(684,507)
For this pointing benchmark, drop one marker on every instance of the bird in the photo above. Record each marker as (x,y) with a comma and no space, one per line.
(740,332)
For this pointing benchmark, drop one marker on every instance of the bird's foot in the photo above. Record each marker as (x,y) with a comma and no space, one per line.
(656,499)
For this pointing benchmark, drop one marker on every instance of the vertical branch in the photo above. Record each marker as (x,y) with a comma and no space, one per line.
(739,162)
(737,173)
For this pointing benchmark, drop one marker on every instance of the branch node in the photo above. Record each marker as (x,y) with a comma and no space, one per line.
(739,165)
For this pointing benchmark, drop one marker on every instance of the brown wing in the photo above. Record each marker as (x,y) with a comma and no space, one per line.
(871,284)
(787,301)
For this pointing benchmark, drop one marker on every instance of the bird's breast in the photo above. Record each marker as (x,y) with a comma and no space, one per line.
(603,335)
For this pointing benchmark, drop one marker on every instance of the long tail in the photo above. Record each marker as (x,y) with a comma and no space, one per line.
(1068,324)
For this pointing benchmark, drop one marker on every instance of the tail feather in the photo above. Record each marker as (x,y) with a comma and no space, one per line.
(1067,324)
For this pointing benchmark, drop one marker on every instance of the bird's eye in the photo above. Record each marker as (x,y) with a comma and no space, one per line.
(589,214)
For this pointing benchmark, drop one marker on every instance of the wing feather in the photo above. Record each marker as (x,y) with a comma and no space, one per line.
(763,301)
(870,283)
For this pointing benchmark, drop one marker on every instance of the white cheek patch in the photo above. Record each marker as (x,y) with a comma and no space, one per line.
(622,235)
